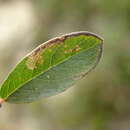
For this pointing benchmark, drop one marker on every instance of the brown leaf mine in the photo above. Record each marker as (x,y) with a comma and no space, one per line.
(34,59)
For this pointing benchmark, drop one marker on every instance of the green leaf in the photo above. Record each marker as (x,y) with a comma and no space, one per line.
(52,67)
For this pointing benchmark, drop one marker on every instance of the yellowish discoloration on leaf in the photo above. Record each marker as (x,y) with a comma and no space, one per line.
(50,50)
(68,51)
(65,46)
(65,52)
(34,59)
(75,49)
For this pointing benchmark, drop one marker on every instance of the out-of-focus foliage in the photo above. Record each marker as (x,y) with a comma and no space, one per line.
(101,102)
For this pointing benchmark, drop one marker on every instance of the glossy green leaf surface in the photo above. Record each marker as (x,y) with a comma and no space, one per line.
(52,67)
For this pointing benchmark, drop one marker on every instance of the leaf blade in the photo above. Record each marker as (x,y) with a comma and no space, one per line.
(57,51)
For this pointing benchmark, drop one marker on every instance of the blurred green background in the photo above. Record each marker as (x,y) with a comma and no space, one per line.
(98,102)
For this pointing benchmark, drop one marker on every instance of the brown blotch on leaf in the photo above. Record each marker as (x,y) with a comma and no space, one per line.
(53,42)
(34,59)
(75,49)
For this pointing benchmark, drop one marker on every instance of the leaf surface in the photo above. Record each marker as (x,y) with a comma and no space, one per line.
(52,67)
